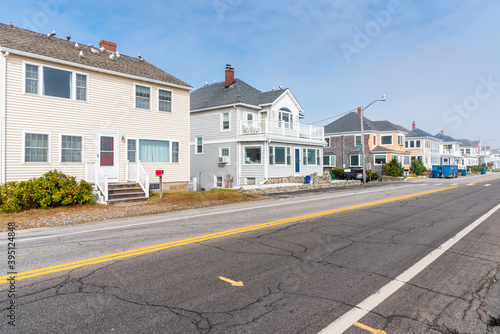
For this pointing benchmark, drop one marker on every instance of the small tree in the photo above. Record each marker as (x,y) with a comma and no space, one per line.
(338,172)
(394,168)
(417,167)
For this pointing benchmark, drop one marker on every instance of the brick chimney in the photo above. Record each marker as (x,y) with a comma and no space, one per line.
(359,111)
(110,46)
(442,132)
(229,75)
(413,125)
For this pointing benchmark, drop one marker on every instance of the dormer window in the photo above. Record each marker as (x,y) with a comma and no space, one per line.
(285,117)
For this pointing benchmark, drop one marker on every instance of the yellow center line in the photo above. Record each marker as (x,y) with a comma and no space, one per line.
(154,248)
(369,329)
(493,178)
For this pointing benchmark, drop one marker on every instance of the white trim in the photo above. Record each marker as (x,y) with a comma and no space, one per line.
(221,115)
(41,80)
(3,114)
(261,155)
(172,152)
(196,145)
(171,100)
(136,149)
(24,132)
(375,159)
(392,140)
(228,154)
(215,181)
(61,149)
(150,97)
(92,68)
(228,106)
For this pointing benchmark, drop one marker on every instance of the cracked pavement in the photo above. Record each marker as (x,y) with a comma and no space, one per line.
(298,277)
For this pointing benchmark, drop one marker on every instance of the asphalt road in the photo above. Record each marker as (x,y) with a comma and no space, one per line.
(305,261)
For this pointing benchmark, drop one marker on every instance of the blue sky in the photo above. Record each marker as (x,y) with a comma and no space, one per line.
(437,61)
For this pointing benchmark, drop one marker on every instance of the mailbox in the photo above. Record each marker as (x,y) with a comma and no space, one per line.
(159,172)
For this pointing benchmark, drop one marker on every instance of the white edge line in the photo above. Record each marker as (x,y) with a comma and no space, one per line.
(363,308)
(194,216)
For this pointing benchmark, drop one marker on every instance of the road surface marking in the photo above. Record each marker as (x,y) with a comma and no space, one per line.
(154,248)
(233,283)
(369,329)
(469,184)
(454,184)
(164,220)
(493,178)
(367,305)
(487,185)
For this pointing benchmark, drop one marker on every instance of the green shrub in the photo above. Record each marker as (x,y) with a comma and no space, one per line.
(52,189)
(394,168)
(338,172)
(417,167)
(373,175)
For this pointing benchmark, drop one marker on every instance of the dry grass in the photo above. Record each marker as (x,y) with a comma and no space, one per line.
(173,201)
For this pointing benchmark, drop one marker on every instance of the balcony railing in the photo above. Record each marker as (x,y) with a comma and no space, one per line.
(281,128)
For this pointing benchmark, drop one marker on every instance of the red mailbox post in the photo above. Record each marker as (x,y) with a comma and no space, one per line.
(159,173)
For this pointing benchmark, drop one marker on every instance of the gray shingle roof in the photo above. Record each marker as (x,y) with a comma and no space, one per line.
(216,94)
(419,133)
(381,149)
(468,143)
(53,47)
(445,138)
(352,123)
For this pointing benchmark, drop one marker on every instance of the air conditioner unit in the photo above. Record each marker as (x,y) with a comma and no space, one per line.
(223,160)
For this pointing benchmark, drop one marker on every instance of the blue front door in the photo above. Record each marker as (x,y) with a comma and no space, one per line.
(297,160)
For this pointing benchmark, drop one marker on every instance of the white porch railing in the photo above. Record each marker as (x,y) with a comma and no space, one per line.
(95,175)
(265,126)
(136,173)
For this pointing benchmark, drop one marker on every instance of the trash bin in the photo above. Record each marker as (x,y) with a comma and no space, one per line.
(332,176)
(307,179)
(435,174)
(464,172)
(483,170)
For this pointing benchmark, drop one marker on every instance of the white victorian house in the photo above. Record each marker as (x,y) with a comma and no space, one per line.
(242,136)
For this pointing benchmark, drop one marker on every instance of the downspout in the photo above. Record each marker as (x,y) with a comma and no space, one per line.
(3,113)
(266,162)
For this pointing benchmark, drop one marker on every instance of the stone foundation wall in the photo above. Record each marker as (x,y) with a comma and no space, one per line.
(315,178)
(314,185)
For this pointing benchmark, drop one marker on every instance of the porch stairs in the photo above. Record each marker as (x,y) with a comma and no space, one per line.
(125,192)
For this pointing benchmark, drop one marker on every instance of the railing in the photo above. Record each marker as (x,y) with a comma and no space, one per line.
(95,175)
(143,179)
(282,128)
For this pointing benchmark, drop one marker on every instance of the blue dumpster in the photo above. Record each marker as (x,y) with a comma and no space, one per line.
(483,170)
(435,174)
(307,179)
(450,170)
(464,172)
(437,171)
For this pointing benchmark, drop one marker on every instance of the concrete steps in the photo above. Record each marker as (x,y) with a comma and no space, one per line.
(129,192)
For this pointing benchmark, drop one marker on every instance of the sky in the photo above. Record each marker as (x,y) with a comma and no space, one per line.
(437,62)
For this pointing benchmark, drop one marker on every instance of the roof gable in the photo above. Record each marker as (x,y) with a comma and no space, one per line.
(352,123)
(239,92)
(35,44)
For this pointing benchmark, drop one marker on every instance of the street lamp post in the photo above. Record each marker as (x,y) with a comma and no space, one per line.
(363,135)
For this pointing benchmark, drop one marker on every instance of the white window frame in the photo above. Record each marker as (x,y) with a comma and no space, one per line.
(375,159)
(228,153)
(61,148)
(136,149)
(401,140)
(150,96)
(331,160)
(41,81)
(261,155)
(196,145)
(360,160)
(171,100)
(172,152)
(222,121)
(48,149)
(215,181)
(381,141)
(356,140)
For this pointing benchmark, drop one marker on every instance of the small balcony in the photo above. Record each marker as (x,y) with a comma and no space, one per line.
(280,128)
